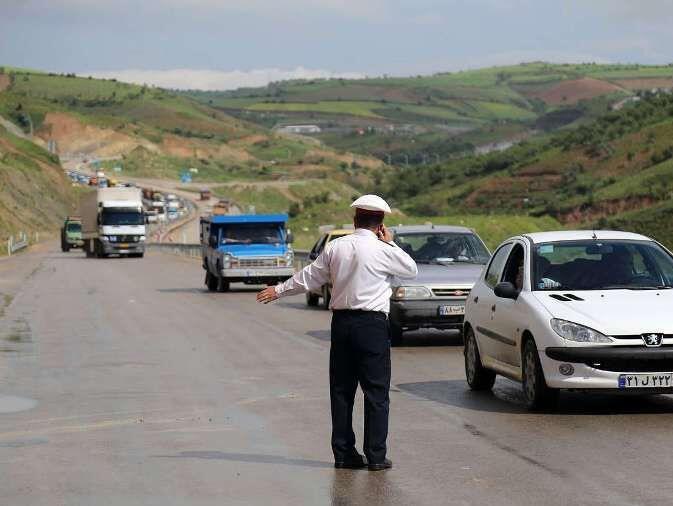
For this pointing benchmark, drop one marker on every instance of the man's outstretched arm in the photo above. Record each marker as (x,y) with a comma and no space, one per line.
(310,278)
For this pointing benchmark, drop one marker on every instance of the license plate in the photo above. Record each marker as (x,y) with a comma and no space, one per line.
(123,245)
(661,380)
(451,310)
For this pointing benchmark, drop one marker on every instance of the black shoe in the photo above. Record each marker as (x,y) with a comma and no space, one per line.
(380,466)
(355,461)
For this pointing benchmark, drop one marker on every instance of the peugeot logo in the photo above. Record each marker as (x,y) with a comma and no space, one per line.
(652,340)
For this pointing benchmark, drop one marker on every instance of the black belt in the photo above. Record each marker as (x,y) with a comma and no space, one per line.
(359,312)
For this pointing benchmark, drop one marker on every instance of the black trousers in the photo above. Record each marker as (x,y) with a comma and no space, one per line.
(360,353)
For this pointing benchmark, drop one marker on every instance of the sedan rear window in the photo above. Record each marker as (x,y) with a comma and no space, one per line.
(443,247)
(601,265)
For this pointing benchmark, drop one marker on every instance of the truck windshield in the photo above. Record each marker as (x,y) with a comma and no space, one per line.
(122,217)
(252,234)
(443,247)
(74,227)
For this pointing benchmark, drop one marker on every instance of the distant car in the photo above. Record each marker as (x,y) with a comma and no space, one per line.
(313,299)
(450,260)
(573,310)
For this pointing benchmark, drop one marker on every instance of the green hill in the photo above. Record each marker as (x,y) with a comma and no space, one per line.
(34,192)
(158,133)
(615,172)
(419,120)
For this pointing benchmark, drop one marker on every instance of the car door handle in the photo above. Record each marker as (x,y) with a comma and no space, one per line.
(476,299)
(493,308)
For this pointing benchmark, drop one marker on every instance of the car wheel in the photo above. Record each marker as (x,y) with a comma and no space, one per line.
(396,333)
(222,285)
(478,377)
(326,297)
(537,395)
(312,299)
(211,282)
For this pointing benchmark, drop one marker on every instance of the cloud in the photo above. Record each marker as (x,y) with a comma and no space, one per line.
(215,79)
(269,8)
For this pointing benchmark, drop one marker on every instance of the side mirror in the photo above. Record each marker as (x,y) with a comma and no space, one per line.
(289,238)
(506,290)
(212,241)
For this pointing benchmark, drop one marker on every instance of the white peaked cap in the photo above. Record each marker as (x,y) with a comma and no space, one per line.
(371,203)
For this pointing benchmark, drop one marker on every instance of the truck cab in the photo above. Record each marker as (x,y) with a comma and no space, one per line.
(251,249)
(71,233)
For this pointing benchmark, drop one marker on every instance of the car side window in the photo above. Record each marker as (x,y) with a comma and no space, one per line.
(317,248)
(497,265)
(514,267)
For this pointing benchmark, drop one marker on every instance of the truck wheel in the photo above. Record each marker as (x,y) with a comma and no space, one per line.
(211,282)
(312,299)
(326,297)
(222,285)
(65,248)
(395,330)
(87,249)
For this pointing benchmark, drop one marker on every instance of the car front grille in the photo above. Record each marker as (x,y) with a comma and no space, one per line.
(633,365)
(127,238)
(639,336)
(450,292)
(258,262)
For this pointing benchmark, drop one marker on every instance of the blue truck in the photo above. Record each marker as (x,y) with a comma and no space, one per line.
(249,248)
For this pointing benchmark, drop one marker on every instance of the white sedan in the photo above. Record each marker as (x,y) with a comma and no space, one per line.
(573,310)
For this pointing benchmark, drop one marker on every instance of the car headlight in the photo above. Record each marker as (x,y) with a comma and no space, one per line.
(289,259)
(226,260)
(578,333)
(104,238)
(142,238)
(112,238)
(411,292)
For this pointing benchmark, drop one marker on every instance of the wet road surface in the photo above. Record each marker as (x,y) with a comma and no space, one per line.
(124,382)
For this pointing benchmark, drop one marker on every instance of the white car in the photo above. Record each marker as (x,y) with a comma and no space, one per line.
(573,310)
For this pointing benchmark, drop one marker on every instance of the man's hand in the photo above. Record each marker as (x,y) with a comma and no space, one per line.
(384,234)
(267,295)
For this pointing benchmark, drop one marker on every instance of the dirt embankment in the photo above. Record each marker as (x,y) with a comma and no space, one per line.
(571,92)
(187,148)
(4,82)
(34,198)
(74,136)
(605,209)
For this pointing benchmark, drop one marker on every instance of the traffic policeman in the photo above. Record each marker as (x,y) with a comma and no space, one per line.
(360,268)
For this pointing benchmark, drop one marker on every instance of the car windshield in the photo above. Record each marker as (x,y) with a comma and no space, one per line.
(253,233)
(122,217)
(74,227)
(443,247)
(602,265)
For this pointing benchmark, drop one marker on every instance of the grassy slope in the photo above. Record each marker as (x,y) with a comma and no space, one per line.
(175,132)
(480,99)
(616,172)
(34,193)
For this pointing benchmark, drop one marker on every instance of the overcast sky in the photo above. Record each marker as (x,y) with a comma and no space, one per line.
(223,44)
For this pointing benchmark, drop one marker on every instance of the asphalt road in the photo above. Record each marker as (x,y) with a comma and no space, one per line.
(123,382)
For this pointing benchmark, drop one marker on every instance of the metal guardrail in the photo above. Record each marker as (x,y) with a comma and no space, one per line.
(15,244)
(185,250)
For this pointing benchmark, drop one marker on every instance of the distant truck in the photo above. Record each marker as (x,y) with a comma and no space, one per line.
(113,222)
(252,249)
(71,233)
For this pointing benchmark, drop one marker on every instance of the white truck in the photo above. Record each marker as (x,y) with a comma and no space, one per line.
(113,222)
